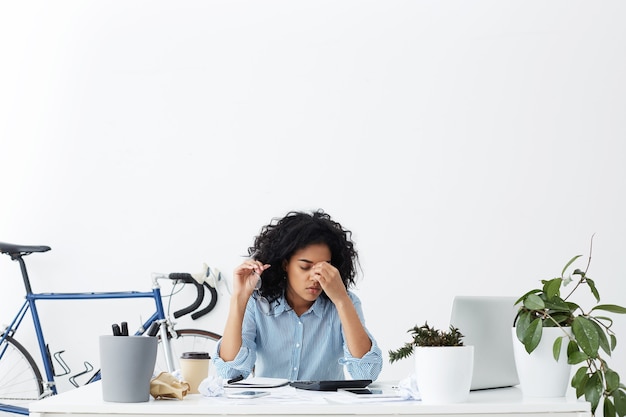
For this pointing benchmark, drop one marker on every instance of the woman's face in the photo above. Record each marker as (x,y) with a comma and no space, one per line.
(302,290)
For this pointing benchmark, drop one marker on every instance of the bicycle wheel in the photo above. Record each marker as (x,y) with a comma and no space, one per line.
(188,340)
(20,379)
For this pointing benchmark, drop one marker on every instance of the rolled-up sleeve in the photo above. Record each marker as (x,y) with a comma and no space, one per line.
(371,364)
(243,363)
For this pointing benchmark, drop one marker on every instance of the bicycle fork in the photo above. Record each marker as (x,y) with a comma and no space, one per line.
(164,327)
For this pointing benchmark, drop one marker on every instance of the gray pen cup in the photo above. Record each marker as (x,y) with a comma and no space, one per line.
(127,365)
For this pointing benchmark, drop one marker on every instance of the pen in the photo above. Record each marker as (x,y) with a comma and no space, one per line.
(235,379)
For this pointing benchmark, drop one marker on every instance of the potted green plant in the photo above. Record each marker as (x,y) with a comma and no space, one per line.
(443,365)
(586,335)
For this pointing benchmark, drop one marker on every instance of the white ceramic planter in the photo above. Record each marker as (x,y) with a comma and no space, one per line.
(539,374)
(444,374)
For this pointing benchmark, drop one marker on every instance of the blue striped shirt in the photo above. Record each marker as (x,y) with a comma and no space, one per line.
(310,347)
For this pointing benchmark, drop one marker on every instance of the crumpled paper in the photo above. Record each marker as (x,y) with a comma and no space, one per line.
(178,374)
(166,385)
(213,386)
(407,388)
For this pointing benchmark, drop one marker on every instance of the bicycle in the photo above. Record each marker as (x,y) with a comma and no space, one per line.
(21,380)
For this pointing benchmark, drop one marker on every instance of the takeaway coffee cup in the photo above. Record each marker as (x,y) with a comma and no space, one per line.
(127,365)
(194,367)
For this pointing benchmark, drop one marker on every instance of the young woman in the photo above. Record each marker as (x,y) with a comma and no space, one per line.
(291,314)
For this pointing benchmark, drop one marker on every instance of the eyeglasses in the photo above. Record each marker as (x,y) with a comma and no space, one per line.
(264,305)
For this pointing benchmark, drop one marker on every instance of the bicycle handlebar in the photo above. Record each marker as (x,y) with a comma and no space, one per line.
(211,304)
(182,276)
(189,279)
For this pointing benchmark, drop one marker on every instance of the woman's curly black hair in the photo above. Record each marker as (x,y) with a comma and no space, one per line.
(280,239)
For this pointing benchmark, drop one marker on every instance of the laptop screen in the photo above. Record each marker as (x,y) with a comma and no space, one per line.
(486,323)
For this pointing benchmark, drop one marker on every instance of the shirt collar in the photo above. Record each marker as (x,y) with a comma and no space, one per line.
(317,308)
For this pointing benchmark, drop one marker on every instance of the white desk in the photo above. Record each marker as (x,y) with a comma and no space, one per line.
(87,402)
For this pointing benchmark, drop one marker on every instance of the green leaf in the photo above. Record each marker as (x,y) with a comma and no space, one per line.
(523,297)
(571,261)
(556,347)
(608,408)
(552,288)
(532,337)
(534,302)
(613,341)
(593,391)
(592,287)
(586,336)
(580,377)
(602,339)
(523,321)
(572,347)
(612,380)
(581,382)
(556,303)
(563,319)
(573,306)
(610,308)
(574,355)
(620,402)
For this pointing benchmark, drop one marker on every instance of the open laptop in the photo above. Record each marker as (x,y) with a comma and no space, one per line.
(486,323)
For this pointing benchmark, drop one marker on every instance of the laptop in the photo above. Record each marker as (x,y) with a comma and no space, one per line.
(486,323)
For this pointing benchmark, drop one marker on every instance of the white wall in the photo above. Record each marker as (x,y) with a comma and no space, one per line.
(473,147)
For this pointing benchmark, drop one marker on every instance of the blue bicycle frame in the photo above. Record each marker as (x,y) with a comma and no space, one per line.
(47,385)
(30,304)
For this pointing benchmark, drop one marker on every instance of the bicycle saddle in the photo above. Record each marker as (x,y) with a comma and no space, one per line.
(13,249)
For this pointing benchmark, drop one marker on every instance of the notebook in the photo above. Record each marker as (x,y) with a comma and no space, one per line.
(486,323)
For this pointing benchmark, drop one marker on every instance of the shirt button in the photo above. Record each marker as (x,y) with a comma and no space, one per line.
(295,369)
(297,345)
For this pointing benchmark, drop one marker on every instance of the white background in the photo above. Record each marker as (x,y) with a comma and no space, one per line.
(473,147)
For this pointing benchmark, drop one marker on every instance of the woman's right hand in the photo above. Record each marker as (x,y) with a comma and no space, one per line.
(246,276)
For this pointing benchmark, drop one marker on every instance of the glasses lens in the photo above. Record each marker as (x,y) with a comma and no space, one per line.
(264,305)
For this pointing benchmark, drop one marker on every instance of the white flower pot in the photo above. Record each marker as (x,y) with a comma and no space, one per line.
(539,374)
(444,373)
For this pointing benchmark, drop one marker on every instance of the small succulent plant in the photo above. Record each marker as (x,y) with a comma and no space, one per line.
(426,335)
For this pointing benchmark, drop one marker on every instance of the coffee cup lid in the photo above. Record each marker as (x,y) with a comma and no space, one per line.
(195,355)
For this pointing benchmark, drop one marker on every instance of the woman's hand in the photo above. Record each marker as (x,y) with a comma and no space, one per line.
(246,276)
(330,280)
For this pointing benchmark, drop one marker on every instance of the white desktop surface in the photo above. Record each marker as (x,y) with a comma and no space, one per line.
(87,402)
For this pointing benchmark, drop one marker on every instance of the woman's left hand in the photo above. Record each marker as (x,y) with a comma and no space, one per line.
(330,280)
